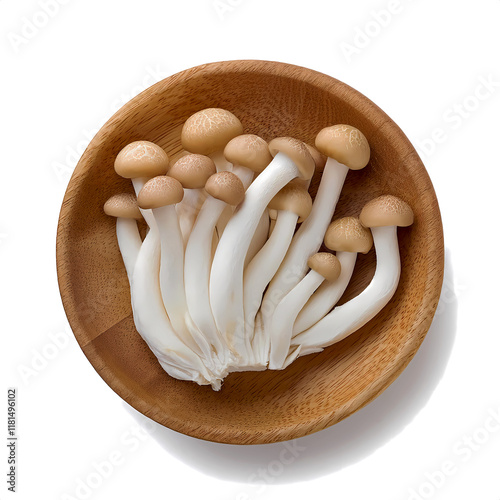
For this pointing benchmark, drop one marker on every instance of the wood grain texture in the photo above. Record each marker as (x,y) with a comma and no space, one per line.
(271,99)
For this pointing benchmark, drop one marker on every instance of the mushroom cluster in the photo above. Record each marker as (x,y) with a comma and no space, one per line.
(224,281)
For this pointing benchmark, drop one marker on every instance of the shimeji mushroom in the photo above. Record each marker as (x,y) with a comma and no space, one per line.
(382,215)
(292,159)
(319,161)
(208,131)
(153,324)
(223,188)
(324,266)
(140,161)
(347,237)
(292,204)
(124,207)
(249,155)
(346,148)
(161,194)
(192,171)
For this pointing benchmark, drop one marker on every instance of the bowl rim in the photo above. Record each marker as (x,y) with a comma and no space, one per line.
(273,434)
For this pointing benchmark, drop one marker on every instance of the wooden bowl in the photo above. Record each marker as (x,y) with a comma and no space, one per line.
(271,99)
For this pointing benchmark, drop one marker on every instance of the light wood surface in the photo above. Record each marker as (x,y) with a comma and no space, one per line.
(271,99)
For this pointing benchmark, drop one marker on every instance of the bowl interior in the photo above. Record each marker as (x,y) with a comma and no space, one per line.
(271,99)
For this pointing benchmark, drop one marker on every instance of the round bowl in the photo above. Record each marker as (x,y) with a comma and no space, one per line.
(271,99)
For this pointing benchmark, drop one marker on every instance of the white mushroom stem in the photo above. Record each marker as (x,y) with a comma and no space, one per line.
(327,295)
(129,243)
(187,210)
(308,238)
(259,238)
(284,316)
(264,265)
(272,222)
(172,280)
(220,161)
(246,177)
(192,171)
(259,347)
(249,155)
(138,184)
(226,277)
(293,354)
(355,313)
(153,324)
(197,272)
(224,217)
(215,242)
(274,213)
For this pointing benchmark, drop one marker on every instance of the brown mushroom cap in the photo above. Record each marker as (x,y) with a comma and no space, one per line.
(192,170)
(122,205)
(159,192)
(386,210)
(141,159)
(209,130)
(319,159)
(348,235)
(297,152)
(293,198)
(250,151)
(345,144)
(326,264)
(227,187)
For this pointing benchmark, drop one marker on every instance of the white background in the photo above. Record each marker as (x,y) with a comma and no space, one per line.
(425,67)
